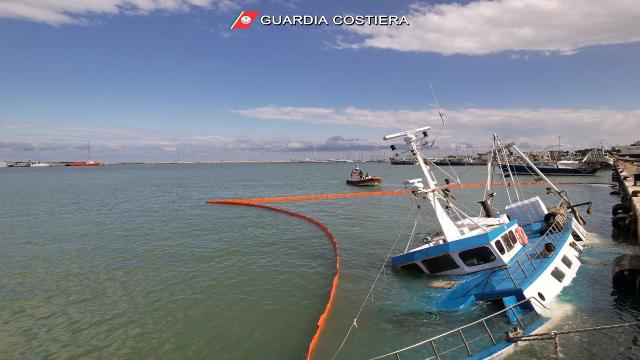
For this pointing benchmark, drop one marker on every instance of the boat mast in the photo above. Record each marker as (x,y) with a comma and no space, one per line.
(448,227)
(489,186)
(526,159)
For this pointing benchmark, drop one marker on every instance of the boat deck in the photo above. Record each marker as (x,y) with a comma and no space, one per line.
(510,280)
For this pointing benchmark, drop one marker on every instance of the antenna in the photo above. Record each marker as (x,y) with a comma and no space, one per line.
(440,113)
(405,133)
(435,99)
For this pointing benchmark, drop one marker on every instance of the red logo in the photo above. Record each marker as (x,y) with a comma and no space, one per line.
(244,19)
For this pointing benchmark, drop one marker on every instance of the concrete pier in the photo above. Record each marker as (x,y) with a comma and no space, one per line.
(627,174)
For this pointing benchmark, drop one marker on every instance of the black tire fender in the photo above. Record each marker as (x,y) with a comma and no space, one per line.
(620,208)
(620,221)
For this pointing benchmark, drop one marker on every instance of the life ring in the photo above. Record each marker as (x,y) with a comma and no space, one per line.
(522,236)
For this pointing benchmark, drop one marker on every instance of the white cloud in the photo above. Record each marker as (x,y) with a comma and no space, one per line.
(483,27)
(22,141)
(577,127)
(58,12)
(469,128)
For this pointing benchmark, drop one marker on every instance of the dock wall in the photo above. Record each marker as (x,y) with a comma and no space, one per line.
(624,173)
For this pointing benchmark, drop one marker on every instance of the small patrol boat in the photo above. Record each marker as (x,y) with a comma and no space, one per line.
(358,178)
(519,258)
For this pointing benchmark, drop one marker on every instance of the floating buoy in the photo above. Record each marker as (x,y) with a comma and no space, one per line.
(522,236)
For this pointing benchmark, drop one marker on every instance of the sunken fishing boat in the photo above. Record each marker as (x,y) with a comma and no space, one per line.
(518,258)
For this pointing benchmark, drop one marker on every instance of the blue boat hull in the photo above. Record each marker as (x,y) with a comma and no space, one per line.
(528,170)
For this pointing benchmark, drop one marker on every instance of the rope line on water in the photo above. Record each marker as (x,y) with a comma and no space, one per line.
(553,334)
(327,309)
(354,324)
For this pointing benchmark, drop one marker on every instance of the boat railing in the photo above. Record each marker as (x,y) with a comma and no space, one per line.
(522,267)
(466,341)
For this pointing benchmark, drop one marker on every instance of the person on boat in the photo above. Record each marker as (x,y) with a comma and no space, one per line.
(366,176)
(446,192)
(356,172)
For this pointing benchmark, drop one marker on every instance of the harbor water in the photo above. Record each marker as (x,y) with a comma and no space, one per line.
(129,262)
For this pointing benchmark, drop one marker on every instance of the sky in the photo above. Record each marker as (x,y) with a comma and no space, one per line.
(160,80)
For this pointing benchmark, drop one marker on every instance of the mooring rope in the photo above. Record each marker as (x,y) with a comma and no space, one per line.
(553,334)
(327,309)
(354,324)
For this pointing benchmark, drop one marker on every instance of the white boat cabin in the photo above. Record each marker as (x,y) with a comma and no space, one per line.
(467,255)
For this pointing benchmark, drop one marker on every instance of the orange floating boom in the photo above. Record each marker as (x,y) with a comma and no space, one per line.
(382,193)
(308,197)
(323,317)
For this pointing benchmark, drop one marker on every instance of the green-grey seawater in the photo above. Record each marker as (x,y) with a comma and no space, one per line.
(128,262)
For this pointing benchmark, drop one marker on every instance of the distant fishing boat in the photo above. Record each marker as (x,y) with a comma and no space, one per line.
(599,158)
(39,164)
(88,162)
(549,168)
(397,159)
(454,161)
(630,151)
(400,161)
(553,164)
(357,178)
(521,257)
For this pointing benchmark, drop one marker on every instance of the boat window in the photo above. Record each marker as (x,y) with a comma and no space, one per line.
(566,261)
(513,238)
(507,241)
(499,246)
(477,256)
(440,263)
(557,274)
(412,267)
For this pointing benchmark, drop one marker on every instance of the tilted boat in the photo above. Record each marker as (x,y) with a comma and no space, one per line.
(357,178)
(520,257)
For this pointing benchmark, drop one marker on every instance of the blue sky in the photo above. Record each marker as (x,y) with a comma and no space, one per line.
(157,80)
